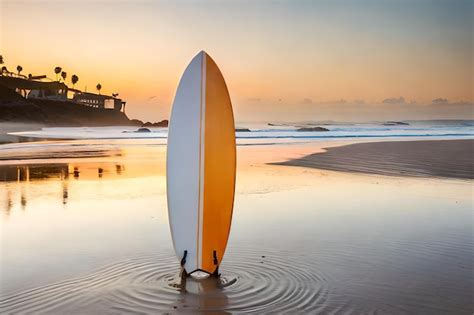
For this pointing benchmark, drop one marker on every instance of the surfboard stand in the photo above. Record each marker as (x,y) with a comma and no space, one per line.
(216,262)
(183,274)
(216,273)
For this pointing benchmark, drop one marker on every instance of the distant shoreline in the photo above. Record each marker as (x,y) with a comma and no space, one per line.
(424,158)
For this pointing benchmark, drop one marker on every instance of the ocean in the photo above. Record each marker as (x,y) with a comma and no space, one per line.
(265,133)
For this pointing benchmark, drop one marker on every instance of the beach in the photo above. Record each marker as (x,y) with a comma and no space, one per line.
(87,231)
(434,158)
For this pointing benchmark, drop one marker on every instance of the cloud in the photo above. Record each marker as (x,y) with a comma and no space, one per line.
(394,100)
(440,101)
(151,97)
(307,101)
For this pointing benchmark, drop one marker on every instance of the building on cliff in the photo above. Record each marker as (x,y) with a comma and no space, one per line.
(34,88)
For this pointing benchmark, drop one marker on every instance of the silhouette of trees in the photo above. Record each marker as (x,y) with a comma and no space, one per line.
(74,80)
(98,87)
(64,75)
(1,60)
(19,69)
(57,70)
(114,95)
(5,70)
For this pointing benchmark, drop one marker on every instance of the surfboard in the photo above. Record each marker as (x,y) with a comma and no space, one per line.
(201,166)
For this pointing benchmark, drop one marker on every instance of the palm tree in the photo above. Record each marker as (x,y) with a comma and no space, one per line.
(64,75)
(98,87)
(57,70)
(74,80)
(114,95)
(4,70)
(19,69)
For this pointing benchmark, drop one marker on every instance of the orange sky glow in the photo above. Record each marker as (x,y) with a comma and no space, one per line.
(282,60)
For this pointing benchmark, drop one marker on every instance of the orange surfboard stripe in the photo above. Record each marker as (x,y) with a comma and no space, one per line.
(219,167)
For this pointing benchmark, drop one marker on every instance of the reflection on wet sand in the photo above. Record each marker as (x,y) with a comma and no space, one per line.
(76,172)
(26,173)
(202,293)
(49,150)
(23,174)
(23,198)
(65,191)
(9,203)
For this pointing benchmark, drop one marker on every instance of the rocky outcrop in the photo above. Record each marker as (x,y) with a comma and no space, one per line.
(395,123)
(71,114)
(242,129)
(163,123)
(312,129)
(143,130)
(136,122)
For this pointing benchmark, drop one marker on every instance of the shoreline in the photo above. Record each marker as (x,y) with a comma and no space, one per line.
(423,158)
(8,127)
(429,158)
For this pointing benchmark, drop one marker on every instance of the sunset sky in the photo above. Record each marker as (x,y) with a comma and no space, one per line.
(282,60)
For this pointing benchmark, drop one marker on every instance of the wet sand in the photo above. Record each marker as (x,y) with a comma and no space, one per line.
(89,234)
(433,158)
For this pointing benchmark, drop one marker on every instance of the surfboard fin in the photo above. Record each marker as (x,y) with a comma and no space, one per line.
(183,260)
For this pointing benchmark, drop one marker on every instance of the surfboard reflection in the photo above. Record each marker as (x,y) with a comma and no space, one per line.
(203,294)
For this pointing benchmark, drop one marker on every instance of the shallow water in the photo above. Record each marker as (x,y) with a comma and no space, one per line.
(86,231)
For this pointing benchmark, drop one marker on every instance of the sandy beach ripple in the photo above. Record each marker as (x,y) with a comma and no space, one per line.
(434,158)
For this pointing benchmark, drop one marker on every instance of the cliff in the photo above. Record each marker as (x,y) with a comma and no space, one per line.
(15,108)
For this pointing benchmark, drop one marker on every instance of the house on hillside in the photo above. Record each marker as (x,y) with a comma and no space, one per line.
(33,88)
(98,100)
(36,89)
